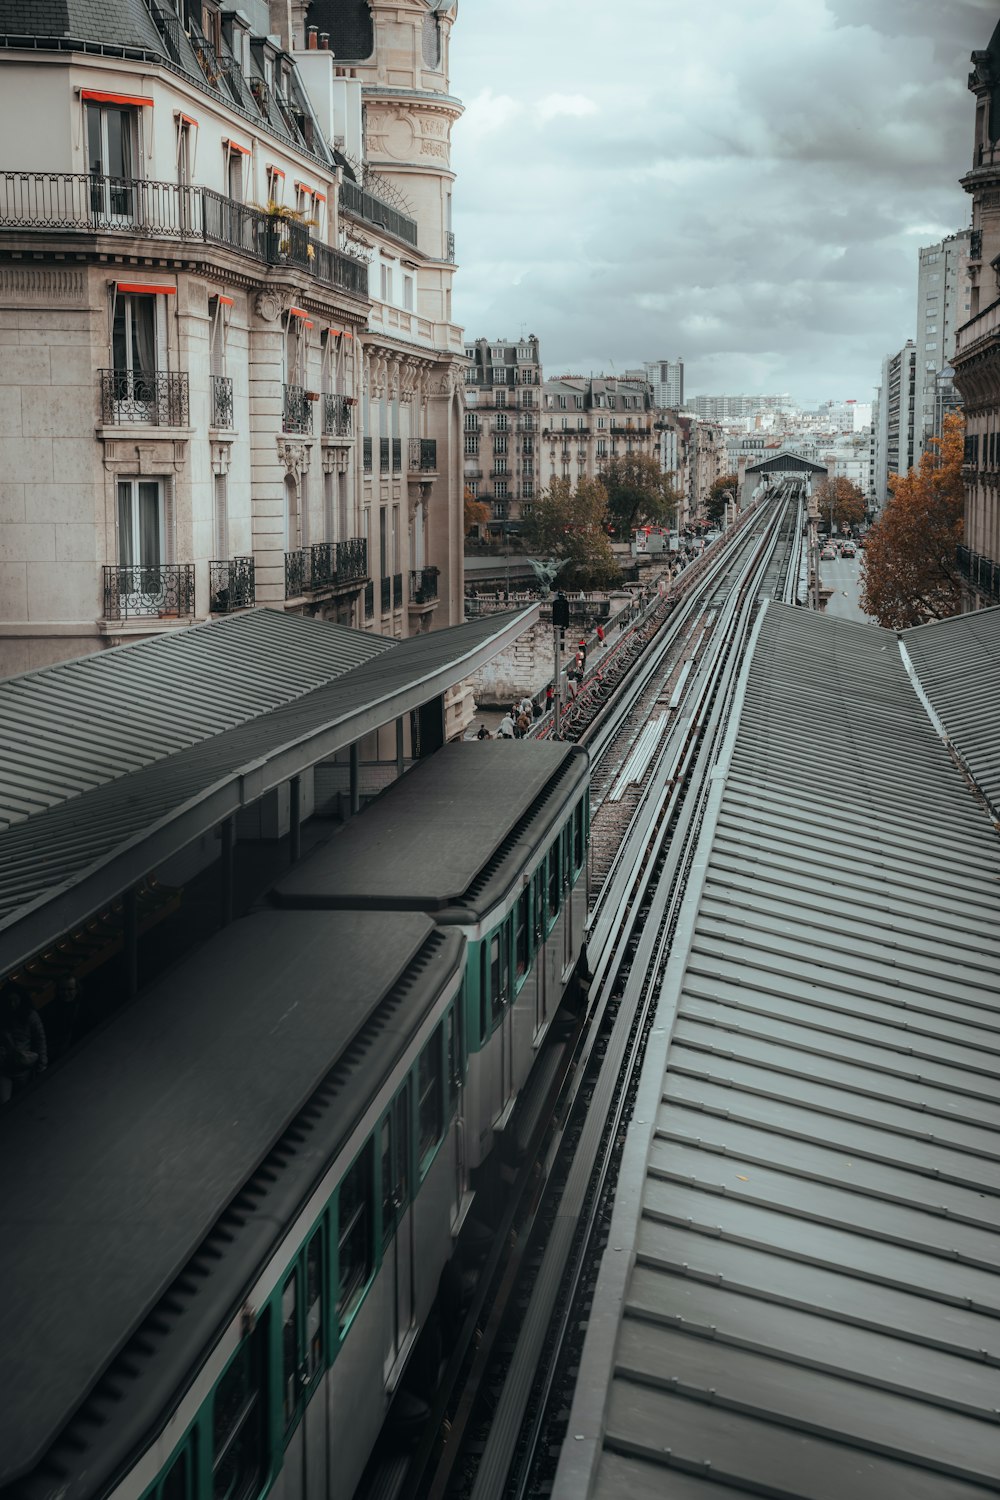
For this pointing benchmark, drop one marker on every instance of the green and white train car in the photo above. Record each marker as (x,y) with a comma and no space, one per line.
(489,837)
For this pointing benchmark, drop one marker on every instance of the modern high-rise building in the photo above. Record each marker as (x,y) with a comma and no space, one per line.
(977,347)
(944,293)
(666,380)
(895,450)
(230,375)
(731,408)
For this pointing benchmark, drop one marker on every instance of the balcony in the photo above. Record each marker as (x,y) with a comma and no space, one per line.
(231,585)
(397,590)
(335,565)
(424,585)
(397,455)
(93,204)
(386,595)
(423,456)
(383,455)
(222,401)
(982,572)
(338,419)
(158,400)
(149,591)
(370,600)
(358,201)
(296,573)
(297,411)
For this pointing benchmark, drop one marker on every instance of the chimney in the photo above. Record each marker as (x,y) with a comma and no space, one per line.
(311,35)
(324,41)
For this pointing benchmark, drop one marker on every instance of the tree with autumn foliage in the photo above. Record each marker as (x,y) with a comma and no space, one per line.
(476,513)
(572,525)
(638,493)
(841,503)
(910,574)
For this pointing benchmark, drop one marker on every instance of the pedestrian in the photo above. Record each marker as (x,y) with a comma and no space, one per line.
(523,725)
(581,652)
(600,635)
(484,733)
(550,694)
(505,729)
(525,706)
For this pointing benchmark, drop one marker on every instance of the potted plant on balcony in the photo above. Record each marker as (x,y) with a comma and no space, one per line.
(280,219)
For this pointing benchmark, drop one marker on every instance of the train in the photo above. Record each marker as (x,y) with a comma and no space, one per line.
(233,1210)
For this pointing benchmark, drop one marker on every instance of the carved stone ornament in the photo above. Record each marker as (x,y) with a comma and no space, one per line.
(268,305)
(295,457)
(157,456)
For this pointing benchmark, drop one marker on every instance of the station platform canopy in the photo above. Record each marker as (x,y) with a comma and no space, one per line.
(786,462)
(111,763)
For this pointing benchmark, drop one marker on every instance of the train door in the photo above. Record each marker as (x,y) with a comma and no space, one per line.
(303,1362)
(456,1086)
(397,1225)
(503,1011)
(538,947)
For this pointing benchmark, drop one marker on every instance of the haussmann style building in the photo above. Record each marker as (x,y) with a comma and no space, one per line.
(229,374)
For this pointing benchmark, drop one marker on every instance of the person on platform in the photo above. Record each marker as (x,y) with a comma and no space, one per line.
(23,1046)
(484,733)
(505,729)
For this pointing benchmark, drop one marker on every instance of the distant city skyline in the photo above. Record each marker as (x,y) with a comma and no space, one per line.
(753,194)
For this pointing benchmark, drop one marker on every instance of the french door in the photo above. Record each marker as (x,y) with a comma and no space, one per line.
(112,154)
(142,547)
(136,336)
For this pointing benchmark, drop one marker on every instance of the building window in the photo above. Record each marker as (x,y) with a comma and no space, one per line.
(581,423)
(113,157)
(275,185)
(579,403)
(501,422)
(500,397)
(471,422)
(142,531)
(500,443)
(472,443)
(408,293)
(221,516)
(529,490)
(500,375)
(472,485)
(497,355)
(386,283)
(527,398)
(500,489)
(562,403)
(235,168)
(499,466)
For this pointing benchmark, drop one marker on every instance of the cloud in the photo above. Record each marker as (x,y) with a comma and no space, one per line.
(747,189)
(576,106)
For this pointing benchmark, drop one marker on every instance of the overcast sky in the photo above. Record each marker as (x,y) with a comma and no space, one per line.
(742,184)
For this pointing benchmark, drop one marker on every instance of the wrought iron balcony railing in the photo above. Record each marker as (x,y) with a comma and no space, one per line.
(222,401)
(148,590)
(338,420)
(296,573)
(334,564)
(981,571)
(231,585)
(424,585)
(367,449)
(159,398)
(423,455)
(91,203)
(370,600)
(364,205)
(397,455)
(397,590)
(449,247)
(383,455)
(386,597)
(297,413)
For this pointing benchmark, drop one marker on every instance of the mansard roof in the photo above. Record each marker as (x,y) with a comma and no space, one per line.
(350,24)
(123,23)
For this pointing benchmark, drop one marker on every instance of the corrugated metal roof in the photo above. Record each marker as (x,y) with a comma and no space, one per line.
(64,863)
(77,725)
(957,663)
(811,1183)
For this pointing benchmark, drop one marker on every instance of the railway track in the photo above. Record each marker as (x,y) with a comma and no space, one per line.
(496,1426)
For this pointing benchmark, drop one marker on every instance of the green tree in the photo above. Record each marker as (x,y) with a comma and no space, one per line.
(910,573)
(639,493)
(722,491)
(571,524)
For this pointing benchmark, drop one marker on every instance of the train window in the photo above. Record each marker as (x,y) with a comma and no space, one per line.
(522,936)
(554,881)
(290,1348)
(431,1096)
(538,904)
(484,1026)
(578,841)
(354,1246)
(238,1424)
(496,982)
(395,1163)
(314,1306)
(177,1485)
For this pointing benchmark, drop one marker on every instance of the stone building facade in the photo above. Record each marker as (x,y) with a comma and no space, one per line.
(977,349)
(501,440)
(229,375)
(586,422)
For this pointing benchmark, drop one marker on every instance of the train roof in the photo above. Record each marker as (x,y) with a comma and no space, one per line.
(114,1172)
(448,835)
(802,1283)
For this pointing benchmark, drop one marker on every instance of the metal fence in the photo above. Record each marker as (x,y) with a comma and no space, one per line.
(159,398)
(148,590)
(232,584)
